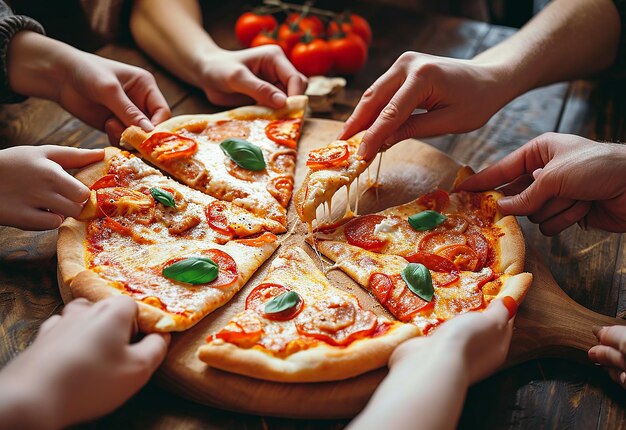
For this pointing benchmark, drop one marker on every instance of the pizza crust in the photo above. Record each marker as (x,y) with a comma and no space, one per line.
(511,246)
(516,286)
(320,363)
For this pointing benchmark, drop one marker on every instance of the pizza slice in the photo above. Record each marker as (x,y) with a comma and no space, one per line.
(245,155)
(296,327)
(329,168)
(178,252)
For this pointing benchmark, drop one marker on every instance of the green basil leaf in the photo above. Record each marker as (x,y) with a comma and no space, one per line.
(417,278)
(426,220)
(164,197)
(192,270)
(243,153)
(282,302)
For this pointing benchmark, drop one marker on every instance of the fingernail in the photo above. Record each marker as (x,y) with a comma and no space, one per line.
(622,377)
(146,125)
(361,152)
(592,355)
(596,329)
(511,305)
(279,99)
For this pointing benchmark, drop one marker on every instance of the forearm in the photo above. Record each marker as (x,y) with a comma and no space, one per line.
(19,406)
(37,65)
(426,393)
(567,40)
(172,34)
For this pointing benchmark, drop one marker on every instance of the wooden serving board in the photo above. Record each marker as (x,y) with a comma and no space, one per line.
(548,323)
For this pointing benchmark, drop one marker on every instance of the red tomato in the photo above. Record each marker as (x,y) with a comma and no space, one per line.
(462,256)
(289,34)
(107,181)
(250,24)
(284,131)
(228,273)
(433,242)
(437,200)
(360,232)
(349,53)
(351,24)
(166,147)
(281,188)
(432,262)
(258,241)
(381,285)
(328,157)
(265,292)
(312,58)
(264,38)
(310,23)
(217,219)
(244,330)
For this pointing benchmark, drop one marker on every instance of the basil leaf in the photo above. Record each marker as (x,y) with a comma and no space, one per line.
(192,270)
(164,197)
(426,220)
(282,302)
(417,278)
(244,153)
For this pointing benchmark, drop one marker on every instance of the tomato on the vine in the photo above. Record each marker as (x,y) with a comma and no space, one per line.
(351,23)
(250,24)
(312,57)
(265,38)
(349,53)
(290,35)
(310,23)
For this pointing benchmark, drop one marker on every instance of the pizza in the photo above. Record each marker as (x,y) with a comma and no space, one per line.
(438,256)
(330,168)
(245,156)
(297,327)
(179,252)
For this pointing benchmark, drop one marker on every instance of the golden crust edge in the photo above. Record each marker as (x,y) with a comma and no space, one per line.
(511,246)
(318,364)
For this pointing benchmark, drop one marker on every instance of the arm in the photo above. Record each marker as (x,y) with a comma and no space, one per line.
(429,376)
(172,33)
(569,38)
(81,366)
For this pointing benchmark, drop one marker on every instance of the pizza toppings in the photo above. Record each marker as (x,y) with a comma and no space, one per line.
(217,219)
(281,188)
(418,280)
(361,232)
(163,196)
(328,157)
(120,201)
(258,241)
(192,270)
(107,181)
(336,321)
(462,256)
(228,273)
(392,292)
(284,306)
(245,154)
(245,330)
(437,200)
(426,220)
(166,147)
(284,131)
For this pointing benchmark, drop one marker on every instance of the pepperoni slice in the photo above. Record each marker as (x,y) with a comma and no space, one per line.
(454,223)
(381,285)
(328,157)
(217,219)
(244,330)
(166,147)
(283,161)
(335,321)
(463,257)
(265,292)
(446,272)
(258,241)
(401,301)
(228,273)
(281,188)
(120,201)
(481,247)
(360,232)
(284,131)
(434,241)
(437,200)
(107,181)
(225,129)
(239,172)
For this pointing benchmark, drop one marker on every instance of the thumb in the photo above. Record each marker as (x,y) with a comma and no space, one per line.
(263,92)
(528,201)
(126,111)
(73,158)
(425,124)
(151,350)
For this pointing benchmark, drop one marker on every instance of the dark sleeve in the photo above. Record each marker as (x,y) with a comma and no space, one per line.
(620,61)
(11,24)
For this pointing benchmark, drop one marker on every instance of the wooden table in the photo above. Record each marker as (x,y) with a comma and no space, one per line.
(589,266)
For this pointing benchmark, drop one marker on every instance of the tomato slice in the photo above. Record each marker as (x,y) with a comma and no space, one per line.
(258,241)
(284,131)
(217,219)
(381,285)
(266,291)
(328,157)
(360,232)
(166,147)
(244,330)
(281,188)
(437,200)
(107,181)
(119,201)
(463,257)
(454,223)
(228,273)
(446,272)
(403,303)
(336,322)
(118,227)
(435,241)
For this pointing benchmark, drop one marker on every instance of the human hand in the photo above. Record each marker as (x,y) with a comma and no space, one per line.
(611,351)
(81,365)
(480,339)
(36,191)
(458,95)
(558,180)
(263,74)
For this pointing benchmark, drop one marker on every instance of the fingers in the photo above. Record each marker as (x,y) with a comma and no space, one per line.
(118,313)
(613,336)
(124,109)
(247,83)
(48,324)
(517,186)
(529,201)
(76,305)
(114,129)
(73,158)
(61,205)
(150,351)
(68,186)
(618,375)
(156,106)
(565,219)
(607,356)
(502,310)
(36,219)
(288,75)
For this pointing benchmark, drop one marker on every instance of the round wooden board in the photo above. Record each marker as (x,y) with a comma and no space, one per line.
(549,323)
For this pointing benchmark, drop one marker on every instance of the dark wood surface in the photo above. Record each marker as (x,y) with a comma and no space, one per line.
(589,266)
